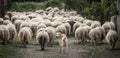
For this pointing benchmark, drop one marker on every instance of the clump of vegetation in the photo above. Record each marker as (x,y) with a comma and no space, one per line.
(27,6)
(55,3)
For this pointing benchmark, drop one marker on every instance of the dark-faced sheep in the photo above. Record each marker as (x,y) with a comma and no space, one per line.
(42,38)
(75,26)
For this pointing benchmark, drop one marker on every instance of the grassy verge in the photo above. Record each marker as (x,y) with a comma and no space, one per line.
(9,50)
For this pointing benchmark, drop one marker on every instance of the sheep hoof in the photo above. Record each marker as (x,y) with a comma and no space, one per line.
(42,49)
(27,42)
(3,43)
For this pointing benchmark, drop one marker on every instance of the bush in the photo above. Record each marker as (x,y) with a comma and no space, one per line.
(27,6)
(55,3)
(100,10)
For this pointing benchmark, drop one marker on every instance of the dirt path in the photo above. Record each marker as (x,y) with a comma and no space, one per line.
(74,51)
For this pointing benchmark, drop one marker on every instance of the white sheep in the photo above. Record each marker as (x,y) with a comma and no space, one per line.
(6,17)
(102,34)
(47,22)
(112,38)
(5,22)
(33,26)
(81,34)
(4,34)
(68,27)
(17,24)
(95,24)
(1,21)
(25,24)
(13,18)
(12,32)
(52,34)
(94,35)
(61,29)
(108,26)
(41,25)
(24,35)
(56,24)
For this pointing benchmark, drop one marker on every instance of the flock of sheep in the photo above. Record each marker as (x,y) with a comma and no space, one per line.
(44,25)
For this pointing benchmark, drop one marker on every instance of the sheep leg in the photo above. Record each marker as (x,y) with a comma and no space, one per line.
(42,43)
(3,42)
(61,50)
(27,42)
(50,43)
(66,48)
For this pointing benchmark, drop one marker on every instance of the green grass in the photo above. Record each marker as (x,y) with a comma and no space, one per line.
(9,50)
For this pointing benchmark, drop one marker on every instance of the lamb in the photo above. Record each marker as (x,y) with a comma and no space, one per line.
(42,38)
(63,42)
(61,29)
(80,34)
(1,21)
(12,32)
(24,35)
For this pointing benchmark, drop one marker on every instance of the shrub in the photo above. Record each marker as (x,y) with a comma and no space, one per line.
(27,6)
(55,3)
